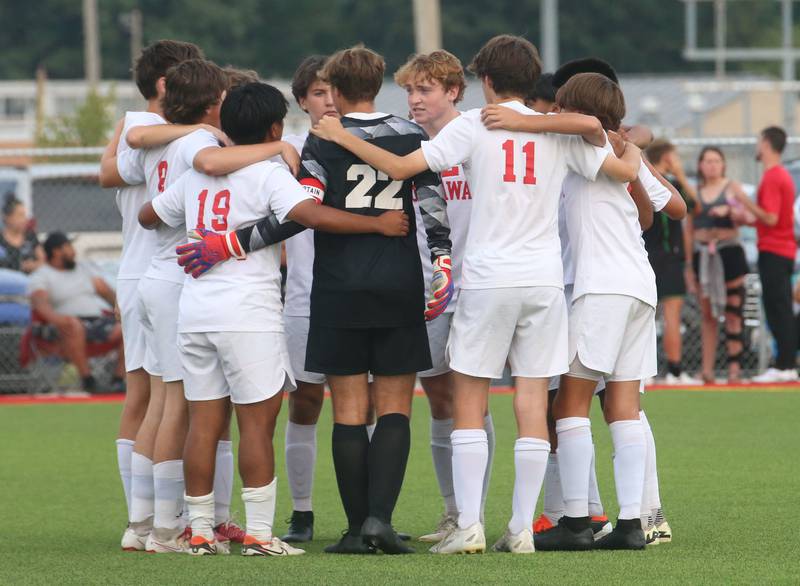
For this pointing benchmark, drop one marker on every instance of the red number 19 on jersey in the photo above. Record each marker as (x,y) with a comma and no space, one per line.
(221,206)
(529,150)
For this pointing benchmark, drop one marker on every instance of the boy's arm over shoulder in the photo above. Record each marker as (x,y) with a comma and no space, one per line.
(496,117)
(168,207)
(454,144)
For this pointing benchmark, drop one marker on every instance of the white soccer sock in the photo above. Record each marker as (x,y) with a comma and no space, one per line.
(124,453)
(629,462)
(530,463)
(168,482)
(371,430)
(259,509)
(553,507)
(574,461)
(223,482)
(488,426)
(201,515)
(651,499)
(470,455)
(442,454)
(142,507)
(301,456)
(595,504)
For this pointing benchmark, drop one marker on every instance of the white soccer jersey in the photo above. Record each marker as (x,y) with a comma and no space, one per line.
(566,247)
(515,179)
(138,244)
(162,167)
(606,239)
(234,296)
(299,258)
(459,207)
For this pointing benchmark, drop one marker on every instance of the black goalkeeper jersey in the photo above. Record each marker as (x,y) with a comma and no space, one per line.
(370,280)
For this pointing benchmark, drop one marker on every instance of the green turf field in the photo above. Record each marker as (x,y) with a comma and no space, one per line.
(728,464)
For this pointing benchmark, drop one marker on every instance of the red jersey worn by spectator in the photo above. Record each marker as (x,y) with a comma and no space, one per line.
(776,196)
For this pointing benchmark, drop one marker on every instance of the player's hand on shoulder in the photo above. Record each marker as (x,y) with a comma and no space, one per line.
(442,287)
(328,128)
(291,157)
(617,143)
(393,223)
(496,117)
(218,134)
(208,250)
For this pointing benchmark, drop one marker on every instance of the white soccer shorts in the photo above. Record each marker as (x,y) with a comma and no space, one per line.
(614,335)
(438,333)
(296,331)
(159,300)
(133,335)
(525,325)
(248,367)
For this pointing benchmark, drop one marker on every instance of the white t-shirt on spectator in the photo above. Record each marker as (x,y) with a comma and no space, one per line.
(515,180)
(138,244)
(162,166)
(235,296)
(70,292)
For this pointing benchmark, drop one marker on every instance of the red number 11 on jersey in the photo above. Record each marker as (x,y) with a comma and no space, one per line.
(529,149)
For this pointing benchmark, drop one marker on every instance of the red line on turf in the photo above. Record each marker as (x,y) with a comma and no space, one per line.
(119,397)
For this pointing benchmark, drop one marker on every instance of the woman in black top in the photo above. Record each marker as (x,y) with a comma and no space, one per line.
(719,261)
(19,248)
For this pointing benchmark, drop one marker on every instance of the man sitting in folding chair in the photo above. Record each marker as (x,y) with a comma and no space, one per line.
(75,304)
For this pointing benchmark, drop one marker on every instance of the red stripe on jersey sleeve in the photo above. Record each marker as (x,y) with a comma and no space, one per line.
(314,187)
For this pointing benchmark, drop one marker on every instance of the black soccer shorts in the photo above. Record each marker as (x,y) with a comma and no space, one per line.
(381,351)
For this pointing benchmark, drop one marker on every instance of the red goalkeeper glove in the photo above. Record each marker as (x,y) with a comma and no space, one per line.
(442,287)
(208,250)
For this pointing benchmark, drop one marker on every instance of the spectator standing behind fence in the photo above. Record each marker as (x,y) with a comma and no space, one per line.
(669,251)
(777,248)
(76,303)
(19,248)
(719,264)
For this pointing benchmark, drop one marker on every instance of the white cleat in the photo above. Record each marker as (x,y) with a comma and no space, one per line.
(168,541)
(663,532)
(469,540)
(522,542)
(446,524)
(199,545)
(133,540)
(774,375)
(273,547)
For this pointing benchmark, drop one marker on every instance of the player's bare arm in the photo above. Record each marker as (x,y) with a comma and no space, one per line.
(643,204)
(676,207)
(398,168)
(638,134)
(155,135)
(148,218)
(214,161)
(328,219)
(496,117)
(109,174)
(626,168)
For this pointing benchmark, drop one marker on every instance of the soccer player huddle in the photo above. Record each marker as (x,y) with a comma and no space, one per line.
(444,247)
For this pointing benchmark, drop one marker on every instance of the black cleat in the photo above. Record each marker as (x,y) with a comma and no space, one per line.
(627,534)
(301,527)
(382,536)
(403,536)
(571,534)
(350,544)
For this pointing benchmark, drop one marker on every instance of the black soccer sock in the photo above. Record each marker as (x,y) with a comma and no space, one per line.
(388,455)
(350,452)
(674,368)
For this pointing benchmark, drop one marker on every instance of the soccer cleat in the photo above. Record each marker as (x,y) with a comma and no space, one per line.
(571,534)
(542,524)
(381,535)
(168,540)
(446,524)
(651,535)
(601,526)
(469,540)
(199,545)
(229,531)
(664,532)
(273,547)
(133,540)
(522,542)
(301,527)
(350,544)
(627,534)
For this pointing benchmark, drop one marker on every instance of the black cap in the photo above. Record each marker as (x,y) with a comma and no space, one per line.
(54,240)
(588,65)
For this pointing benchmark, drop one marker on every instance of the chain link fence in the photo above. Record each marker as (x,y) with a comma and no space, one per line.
(60,191)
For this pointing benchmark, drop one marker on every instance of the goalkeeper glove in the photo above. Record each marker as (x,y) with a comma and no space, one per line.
(442,287)
(208,250)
